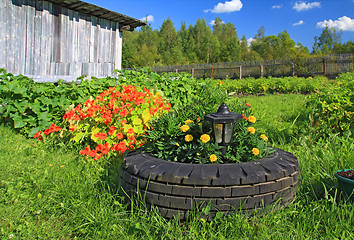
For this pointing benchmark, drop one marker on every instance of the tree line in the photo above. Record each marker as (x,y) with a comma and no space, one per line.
(199,43)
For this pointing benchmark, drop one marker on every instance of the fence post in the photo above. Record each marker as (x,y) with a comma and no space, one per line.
(324,66)
(212,72)
(241,72)
(193,72)
(293,66)
(261,70)
(176,70)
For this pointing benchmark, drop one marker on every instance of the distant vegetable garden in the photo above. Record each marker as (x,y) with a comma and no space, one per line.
(305,67)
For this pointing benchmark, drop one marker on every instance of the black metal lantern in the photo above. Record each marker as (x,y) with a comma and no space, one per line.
(223,122)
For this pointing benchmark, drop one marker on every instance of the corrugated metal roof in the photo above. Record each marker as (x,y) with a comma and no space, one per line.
(90,9)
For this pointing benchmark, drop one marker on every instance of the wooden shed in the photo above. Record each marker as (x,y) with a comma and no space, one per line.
(61,38)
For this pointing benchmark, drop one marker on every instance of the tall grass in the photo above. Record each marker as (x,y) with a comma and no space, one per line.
(54,194)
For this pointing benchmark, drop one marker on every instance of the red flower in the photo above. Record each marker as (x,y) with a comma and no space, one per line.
(248,105)
(85,151)
(111,130)
(37,135)
(244,116)
(120,147)
(56,129)
(124,113)
(101,136)
(47,131)
(130,131)
(119,136)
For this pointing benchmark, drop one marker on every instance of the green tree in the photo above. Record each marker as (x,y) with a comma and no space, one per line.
(204,41)
(170,46)
(326,42)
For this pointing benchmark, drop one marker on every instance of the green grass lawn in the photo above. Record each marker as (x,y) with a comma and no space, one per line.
(55,194)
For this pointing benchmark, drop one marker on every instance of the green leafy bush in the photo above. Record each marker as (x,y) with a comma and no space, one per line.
(30,106)
(333,108)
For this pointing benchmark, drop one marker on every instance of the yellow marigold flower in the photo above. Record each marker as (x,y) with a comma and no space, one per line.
(188,122)
(255,151)
(177,144)
(50,165)
(251,130)
(188,138)
(213,158)
(184,128)
(264,137)
(252,119)
(205,138)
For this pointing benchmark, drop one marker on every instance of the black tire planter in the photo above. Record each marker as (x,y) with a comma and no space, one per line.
(176,188)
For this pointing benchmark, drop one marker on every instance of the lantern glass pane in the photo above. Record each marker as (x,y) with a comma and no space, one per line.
(218,132)
(228,132)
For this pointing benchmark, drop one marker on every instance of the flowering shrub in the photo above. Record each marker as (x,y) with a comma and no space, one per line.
(184,136)
(113,122)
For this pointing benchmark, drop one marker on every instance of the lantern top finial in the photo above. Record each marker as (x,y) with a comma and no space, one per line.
(223,115)
(223,109)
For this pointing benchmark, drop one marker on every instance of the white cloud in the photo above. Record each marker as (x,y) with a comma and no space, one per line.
(148,18)
(298,23)
(303,6)
(345,23)
(212,22)
(279,6)
(227,7)
(249,41)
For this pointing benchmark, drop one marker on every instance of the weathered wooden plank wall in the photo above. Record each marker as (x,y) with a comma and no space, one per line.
(41,38)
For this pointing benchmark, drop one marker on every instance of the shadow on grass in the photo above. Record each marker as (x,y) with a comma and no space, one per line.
(324,188)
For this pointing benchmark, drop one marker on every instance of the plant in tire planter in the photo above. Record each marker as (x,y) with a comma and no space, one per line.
(180,168)
(346,181)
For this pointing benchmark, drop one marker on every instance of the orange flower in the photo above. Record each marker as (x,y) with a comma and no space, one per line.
(264,137)
(205,138)
(188,138)
(119,136)
(252,119)
(187,122)
(251,130)
(184,128)
(213,158)
(101,136)
(255,151)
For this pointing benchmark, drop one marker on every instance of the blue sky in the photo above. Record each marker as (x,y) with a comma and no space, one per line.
(303,20)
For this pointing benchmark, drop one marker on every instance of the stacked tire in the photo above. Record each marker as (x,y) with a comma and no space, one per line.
(178,188)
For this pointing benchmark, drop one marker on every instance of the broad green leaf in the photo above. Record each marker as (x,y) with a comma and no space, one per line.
(78,136)
(19,121)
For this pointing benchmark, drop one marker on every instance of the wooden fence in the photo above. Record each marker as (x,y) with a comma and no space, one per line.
(329,65)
